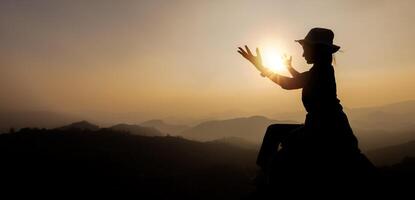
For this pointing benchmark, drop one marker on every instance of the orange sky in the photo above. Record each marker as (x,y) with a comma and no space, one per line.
(178,58)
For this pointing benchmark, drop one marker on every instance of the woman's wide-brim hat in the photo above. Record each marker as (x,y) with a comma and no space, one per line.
(320,36)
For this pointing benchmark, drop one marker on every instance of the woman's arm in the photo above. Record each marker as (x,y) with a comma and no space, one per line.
(288,83)
(293,72)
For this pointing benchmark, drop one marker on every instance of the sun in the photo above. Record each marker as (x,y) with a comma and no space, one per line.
(271,59)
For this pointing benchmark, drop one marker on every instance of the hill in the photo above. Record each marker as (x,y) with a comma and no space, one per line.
(251,129)
(44,119)
(171,129)
(137,130)
(105,161)
(396,117)
(392,154)
(82,125)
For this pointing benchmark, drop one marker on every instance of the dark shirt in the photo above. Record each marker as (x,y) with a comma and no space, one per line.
(326,124)
(319,93)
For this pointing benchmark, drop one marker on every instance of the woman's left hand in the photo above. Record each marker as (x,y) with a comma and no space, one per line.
(287,61)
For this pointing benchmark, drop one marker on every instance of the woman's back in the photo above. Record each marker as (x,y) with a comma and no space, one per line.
(319,93)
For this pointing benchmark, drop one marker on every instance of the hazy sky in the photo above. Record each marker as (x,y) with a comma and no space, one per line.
(178,58)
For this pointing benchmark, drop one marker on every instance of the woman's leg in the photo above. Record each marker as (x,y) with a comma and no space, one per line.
(272,139)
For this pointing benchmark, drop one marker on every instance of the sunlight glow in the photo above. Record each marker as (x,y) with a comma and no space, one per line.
(271,58)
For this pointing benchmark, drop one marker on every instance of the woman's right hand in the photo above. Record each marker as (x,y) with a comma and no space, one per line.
(287,61)
(255,60)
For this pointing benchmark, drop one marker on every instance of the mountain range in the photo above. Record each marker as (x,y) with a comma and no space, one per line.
(81,125)
(164,127)
(380,154)
(375,127)
(249,128)
(391,155)
(102,161)
(137,130)
(42,119)
(128,128)
(78,161)
(392,117)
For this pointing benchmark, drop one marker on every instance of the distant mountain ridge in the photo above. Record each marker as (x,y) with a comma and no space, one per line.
(22,119)
(392,154)
(82,125)
(130,128)
(398,116)
(160,125)
(376,126)
(376,139)
(398,107)
(391,117)
(248,128)
(137,130)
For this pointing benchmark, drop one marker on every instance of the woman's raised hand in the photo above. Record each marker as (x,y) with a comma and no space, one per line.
(255,60)
(287,61)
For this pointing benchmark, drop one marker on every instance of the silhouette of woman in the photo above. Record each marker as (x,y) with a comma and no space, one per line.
(326,132)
